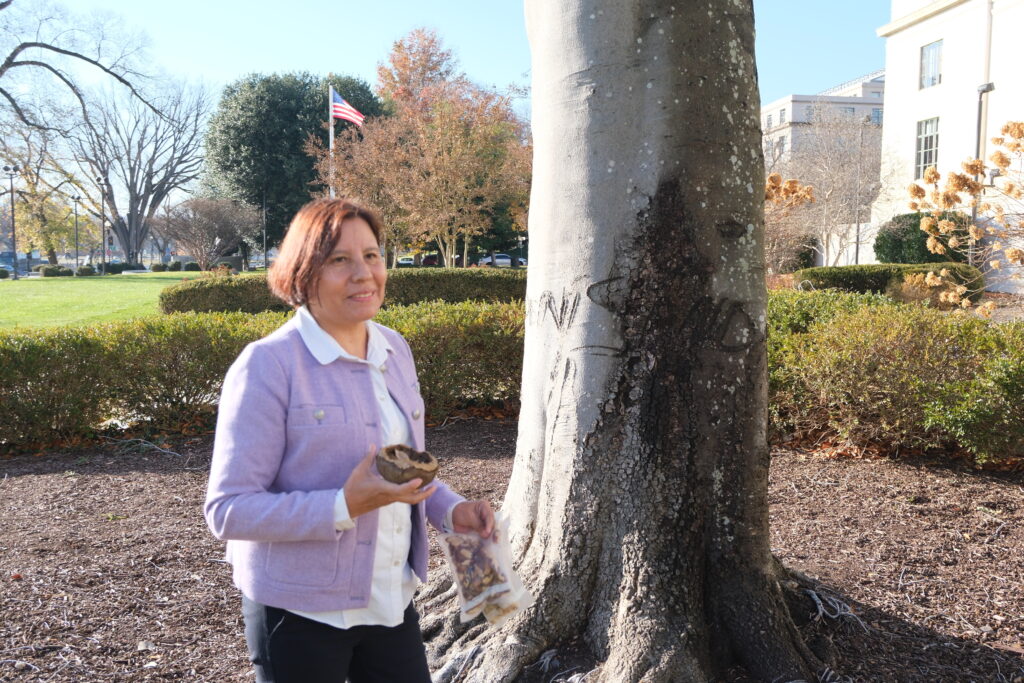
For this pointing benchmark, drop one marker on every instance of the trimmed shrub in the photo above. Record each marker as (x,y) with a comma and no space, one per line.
(39,267)
(192,266)
(793,312)
(165,372)
(4,274)
(879,277)
(466,353)
(985,413)
(250,293)
(246,293)
(53,388)
(174,266)
(158,268)
(868,375)
(56,271)
(85,271)
(901,240)
(175,364)
(410,286)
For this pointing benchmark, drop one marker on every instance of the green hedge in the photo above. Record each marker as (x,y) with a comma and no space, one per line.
(191,265)
(65,382)
(878,277)
(85,271)
(985,413)
(246,293)
(56,271)
(174,266)
(249,293)
(901,240)
(410,286)
(53,381)
(901,376)
(466,353)
(158,268)
(862,367)
(118,268)
(4,274)
(163,372)
(173,365)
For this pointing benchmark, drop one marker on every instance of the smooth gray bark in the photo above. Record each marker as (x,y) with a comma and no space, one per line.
(639,492)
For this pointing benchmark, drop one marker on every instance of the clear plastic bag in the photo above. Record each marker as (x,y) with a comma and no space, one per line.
(483,574)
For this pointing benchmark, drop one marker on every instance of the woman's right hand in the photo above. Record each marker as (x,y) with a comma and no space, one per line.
(366,490)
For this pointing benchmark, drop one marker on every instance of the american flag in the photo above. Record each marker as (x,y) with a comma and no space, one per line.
(340,109)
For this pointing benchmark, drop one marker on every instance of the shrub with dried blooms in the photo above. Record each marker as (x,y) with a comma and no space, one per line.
(998,240)
(784,238)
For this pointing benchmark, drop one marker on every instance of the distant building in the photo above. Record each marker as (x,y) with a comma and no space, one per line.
(941,57)
(786,120)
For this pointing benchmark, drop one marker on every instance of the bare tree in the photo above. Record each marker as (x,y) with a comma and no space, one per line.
(638,497)
(840,156)
(43,45)
(136,158)
(207,229)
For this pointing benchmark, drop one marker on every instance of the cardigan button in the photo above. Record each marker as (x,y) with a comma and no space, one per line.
(383,367)
(415,414)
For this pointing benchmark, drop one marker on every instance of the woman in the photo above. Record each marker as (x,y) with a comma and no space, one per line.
(326,553)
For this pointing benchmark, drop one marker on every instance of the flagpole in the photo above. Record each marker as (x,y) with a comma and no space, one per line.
(330,137)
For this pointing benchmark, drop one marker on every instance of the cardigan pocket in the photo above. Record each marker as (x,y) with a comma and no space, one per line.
(316,416)
(303,563)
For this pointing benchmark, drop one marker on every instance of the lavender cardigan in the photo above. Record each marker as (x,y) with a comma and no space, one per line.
(289,433)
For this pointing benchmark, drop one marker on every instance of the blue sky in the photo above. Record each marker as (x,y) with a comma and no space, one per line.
(803,46)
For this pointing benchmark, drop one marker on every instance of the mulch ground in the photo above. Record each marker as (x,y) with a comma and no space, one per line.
(108,573)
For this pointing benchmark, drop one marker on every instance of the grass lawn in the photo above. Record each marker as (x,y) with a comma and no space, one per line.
(50,301)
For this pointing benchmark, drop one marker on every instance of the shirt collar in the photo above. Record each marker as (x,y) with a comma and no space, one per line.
(326,348)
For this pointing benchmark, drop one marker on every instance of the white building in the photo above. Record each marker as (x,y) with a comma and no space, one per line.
(789,118)
(941,58)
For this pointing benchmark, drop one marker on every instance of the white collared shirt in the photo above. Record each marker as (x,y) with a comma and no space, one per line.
(394,582)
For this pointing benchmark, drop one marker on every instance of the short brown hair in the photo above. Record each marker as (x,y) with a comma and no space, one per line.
(310,239)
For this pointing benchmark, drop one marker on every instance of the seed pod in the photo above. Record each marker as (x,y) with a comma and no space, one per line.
(399,464)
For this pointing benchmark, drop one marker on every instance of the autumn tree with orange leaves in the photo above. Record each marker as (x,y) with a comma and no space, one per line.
(450,155)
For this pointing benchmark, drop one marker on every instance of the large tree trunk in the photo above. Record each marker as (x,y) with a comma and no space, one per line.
(639,493)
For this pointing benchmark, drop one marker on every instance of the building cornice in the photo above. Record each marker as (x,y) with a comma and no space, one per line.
(926,12)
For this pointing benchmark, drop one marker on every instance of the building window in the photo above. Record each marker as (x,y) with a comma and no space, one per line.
(876,117)
(809,113)
(780,146)
(927,146)
(847,111)
(931,64)
(769,124)
(782,116)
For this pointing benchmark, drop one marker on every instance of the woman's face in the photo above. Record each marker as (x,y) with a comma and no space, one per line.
(350,290)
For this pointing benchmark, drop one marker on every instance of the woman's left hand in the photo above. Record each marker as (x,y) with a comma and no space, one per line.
(473,515)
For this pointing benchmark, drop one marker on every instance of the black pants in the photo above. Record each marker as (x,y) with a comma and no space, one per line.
(287,648)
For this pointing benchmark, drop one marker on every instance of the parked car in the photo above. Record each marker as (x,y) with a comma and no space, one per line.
(501,261)
(429,260)
(406,261)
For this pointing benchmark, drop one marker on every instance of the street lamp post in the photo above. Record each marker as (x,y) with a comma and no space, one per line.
(983,89)
(860,174)
(12,171)
(103,227)
(76,199)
